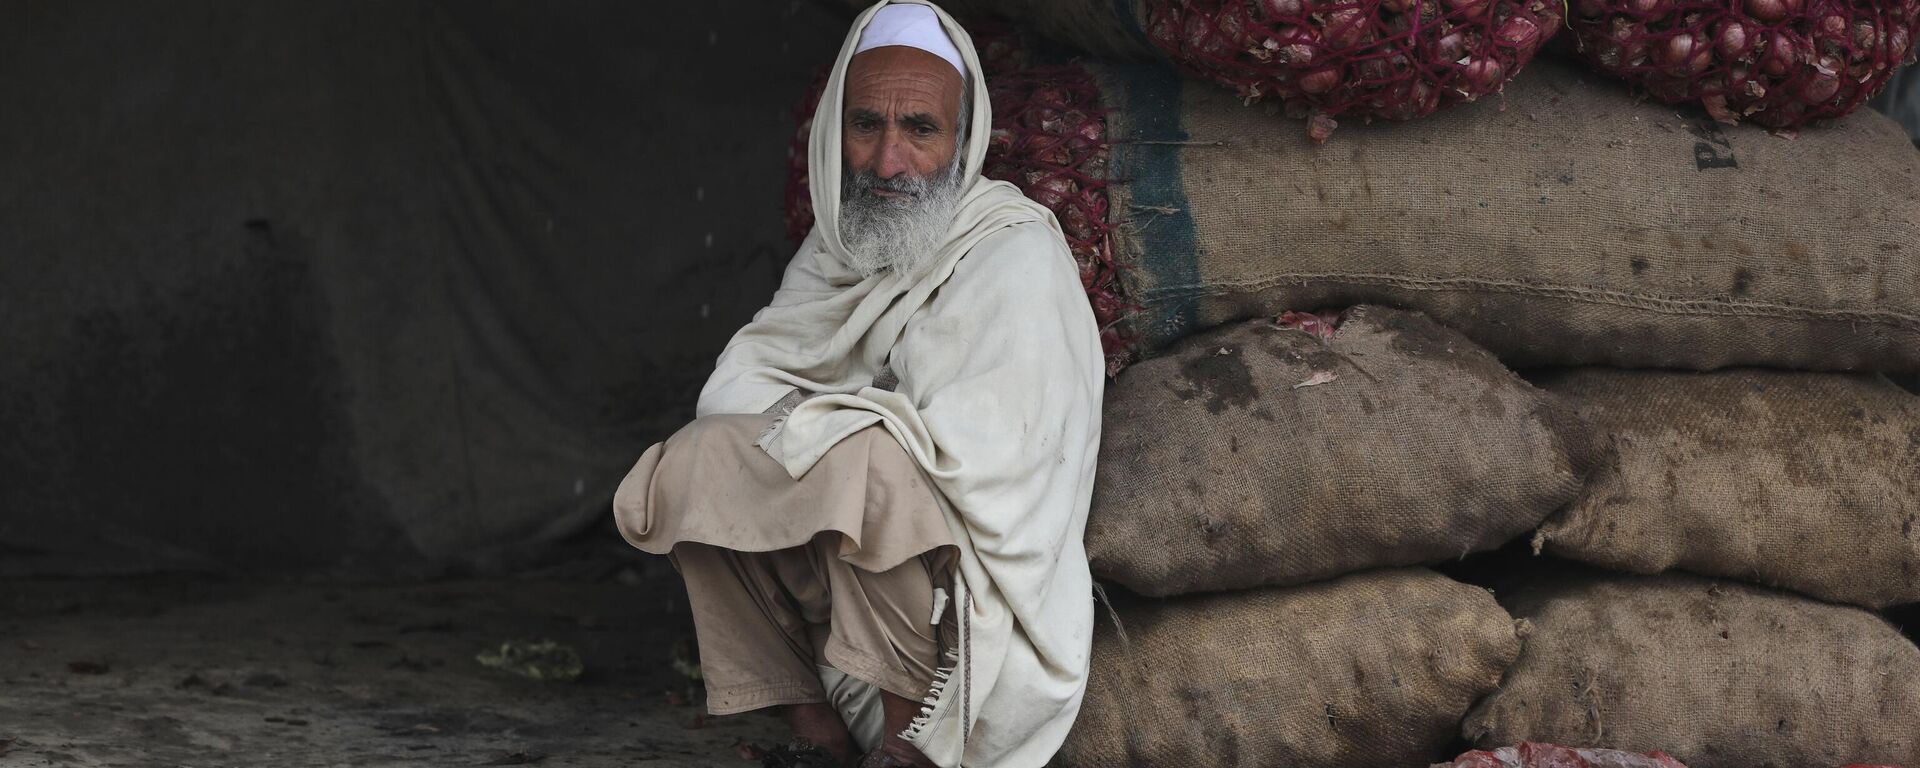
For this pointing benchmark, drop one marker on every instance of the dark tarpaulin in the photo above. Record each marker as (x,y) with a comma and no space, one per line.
(373,287)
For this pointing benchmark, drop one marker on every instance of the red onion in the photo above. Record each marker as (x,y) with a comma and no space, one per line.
(1647,7)
(1279,9)
(1677,50)
(1471,10)
(1374,69)
(1780,63)
(1485,73)
(1296,46)
(1519,31)
(1866,36)
(1322,59)
(1345,27)
(1832,25)
(1732,41)
(1767,10)
(1320,80)
(1450,47)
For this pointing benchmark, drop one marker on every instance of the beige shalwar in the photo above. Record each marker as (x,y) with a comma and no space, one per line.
(837,569)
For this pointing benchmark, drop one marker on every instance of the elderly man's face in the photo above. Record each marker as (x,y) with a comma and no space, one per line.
(902,175)
(902,111)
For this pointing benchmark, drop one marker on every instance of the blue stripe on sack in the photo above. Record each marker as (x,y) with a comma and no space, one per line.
(1125,11)
(1160,222)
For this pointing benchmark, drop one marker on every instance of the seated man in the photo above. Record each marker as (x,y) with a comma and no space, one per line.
(879,511)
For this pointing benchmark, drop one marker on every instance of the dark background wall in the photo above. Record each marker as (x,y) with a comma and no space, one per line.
(374,287)
(370,287)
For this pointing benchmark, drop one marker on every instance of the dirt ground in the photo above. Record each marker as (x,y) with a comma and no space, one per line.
(201,672)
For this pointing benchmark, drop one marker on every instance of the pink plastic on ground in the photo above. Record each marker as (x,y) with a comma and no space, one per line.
(1388,59)
(1529,754)
(1779,63)
(1049,139)
(1322,324)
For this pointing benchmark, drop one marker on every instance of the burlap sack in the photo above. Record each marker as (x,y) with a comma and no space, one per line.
(1368,670)
(1713,673)
(1562,224)
(1224,464)
(1805,481)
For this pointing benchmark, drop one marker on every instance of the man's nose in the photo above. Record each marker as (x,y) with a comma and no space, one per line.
(894,158)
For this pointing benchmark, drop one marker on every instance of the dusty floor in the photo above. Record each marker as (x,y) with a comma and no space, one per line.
(177,672)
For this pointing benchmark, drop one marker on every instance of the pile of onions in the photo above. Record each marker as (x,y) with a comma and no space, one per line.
(1049,139)
(1388,59)
(1779,63)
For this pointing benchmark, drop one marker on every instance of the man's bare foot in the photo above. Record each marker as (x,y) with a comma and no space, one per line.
(896,753)
(820,725)
(898,713)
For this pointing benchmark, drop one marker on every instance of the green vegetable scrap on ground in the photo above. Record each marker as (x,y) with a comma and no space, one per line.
(544,660)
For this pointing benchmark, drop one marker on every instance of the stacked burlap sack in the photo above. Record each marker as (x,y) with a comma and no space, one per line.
(1793,496)
(1267,490)
(1702,310)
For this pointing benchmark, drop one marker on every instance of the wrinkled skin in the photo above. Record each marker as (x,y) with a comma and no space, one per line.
(902,113)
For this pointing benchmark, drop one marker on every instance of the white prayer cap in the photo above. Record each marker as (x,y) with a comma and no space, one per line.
(914,26)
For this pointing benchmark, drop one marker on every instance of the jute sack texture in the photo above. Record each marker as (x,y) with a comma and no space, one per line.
(1367,670)
(1254,454)
(1715,673)
(1805,481)
(1562,224)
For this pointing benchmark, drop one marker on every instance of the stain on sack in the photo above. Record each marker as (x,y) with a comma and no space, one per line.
(1222,376)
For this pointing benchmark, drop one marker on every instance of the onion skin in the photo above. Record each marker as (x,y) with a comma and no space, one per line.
(1677,50)
(1297,46)
(1345,27)
(1450,48)
(1519,32)
(1484,73)
(1645,8)
(1732,41)
(1320,80)
(1470,10)
(1283,9)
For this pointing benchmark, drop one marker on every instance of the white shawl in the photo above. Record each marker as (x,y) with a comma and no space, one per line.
(1000,376)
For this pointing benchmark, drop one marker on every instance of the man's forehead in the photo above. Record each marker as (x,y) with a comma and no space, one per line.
(898,63)
(897,73)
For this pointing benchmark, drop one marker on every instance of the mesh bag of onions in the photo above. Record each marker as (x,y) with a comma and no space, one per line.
(1323,59)
(1049,139)
(1779,63)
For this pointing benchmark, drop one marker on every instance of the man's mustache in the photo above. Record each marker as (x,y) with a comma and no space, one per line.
(865,181)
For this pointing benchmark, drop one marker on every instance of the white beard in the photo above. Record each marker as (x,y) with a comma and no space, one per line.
(898,233)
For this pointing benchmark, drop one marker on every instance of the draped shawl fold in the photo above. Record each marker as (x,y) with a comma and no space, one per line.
(1000,376)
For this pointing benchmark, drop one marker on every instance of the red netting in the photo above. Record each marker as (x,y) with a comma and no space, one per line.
(1049,139)
(1779,63)
(1389,59)
(1529,754)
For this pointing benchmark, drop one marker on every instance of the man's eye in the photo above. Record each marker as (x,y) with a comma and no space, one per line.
(923,130)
